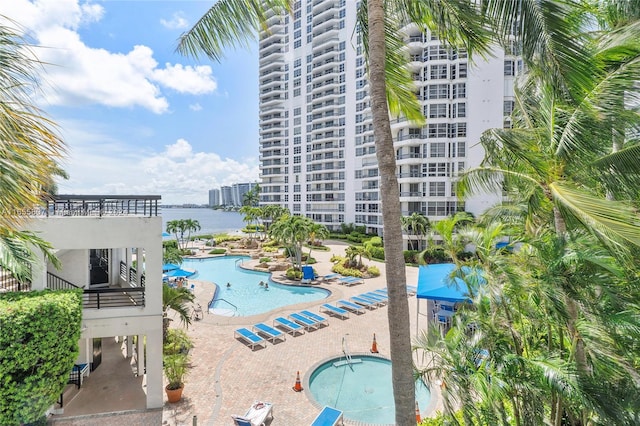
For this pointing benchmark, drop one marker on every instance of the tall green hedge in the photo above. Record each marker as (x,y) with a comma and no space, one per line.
(39,334)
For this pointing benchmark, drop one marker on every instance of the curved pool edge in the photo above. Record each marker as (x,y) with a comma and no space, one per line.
(429,410)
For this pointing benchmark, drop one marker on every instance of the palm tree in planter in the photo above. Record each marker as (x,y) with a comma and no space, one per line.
(176,362)
(179,301)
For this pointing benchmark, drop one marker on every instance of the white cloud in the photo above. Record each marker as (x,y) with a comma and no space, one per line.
(195,80)
(176,22)
(80,74)
(177,173)
(195,107)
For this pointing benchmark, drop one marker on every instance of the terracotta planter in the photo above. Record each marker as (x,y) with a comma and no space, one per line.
(174,395)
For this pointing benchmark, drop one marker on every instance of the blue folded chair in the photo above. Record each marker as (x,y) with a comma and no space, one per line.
(342,313)
(290,326)
(304,321)
(250,337)
(328,417)
(307,274)
(318,318)
(272,334)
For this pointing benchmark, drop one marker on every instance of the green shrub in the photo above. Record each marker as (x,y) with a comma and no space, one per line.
(269,249)
(375,241)
(223,238)
(218,251)
(335,258)
(170,244)
(265,260)
(293,274)
(411,256)
(374,271)
(347,271)
(435,255)
(376,252)
(270,243)
(39,333)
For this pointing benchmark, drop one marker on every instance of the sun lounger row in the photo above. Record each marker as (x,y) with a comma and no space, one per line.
(349,281)
(260,334)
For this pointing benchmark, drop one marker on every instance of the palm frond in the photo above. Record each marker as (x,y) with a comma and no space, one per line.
(613,222)
(228,23)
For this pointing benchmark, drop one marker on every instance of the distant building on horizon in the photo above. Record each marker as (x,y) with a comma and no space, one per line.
(230,195)
(214,197)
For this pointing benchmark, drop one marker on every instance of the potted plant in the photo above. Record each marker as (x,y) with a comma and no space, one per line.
(176,362)
(175,369)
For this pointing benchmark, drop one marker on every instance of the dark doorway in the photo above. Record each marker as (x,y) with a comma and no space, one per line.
(98,268)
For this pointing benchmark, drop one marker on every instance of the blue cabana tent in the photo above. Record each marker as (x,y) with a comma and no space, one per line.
(434,283)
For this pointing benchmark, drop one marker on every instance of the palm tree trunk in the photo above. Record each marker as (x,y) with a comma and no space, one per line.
(398,313)
(572,308)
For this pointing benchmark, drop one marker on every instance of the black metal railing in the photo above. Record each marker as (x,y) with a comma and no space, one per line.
(132,276)
(10,283)
(54,282)
(113,298)
(96,205)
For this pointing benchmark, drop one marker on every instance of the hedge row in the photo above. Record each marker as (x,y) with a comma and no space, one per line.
(39,333)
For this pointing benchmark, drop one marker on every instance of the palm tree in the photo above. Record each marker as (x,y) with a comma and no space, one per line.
(293,232)
(416,225)
(191,225)
(317,232)
(177,227)
(252,197)
(251,215)
(29,152)
(177,300)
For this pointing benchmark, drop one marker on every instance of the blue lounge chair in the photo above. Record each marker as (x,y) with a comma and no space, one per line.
(328,417)
(353,307)
(334,310)
(250,337)
(349,281)
(306,322)
(272,334)
(290,326)
(378,297)
(332,276)
(367,303)
(373,300)
(312,315)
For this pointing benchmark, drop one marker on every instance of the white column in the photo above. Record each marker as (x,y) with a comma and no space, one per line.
(129,346)
(155,397)
(38,271)
(140,354)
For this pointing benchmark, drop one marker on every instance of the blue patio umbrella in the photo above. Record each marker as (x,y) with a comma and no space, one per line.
(169,267)
(166,234)
(177,273)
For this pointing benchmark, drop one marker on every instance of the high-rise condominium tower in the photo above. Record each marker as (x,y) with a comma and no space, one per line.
(317,153)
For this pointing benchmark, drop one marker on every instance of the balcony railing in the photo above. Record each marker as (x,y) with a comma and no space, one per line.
(97,205)
(113,297)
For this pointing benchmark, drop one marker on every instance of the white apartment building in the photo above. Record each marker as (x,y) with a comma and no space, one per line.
(317,152)
(214,197)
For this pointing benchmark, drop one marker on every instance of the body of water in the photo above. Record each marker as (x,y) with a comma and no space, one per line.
(211,221)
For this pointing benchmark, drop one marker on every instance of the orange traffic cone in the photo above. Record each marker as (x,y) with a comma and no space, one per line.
(297,387)
(374,345)
(418,418)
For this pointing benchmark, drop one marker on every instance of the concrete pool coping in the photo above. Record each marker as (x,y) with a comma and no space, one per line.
(434,390)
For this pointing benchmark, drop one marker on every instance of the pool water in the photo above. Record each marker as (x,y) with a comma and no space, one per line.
(362,390)
(245,291)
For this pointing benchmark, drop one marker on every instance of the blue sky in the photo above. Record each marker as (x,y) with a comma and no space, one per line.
(137,117)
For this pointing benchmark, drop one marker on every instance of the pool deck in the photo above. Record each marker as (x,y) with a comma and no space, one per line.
(227,376)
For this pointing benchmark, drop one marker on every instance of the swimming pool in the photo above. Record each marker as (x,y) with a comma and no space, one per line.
(362,389)
(245,293)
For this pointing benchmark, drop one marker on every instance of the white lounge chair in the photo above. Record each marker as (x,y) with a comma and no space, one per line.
(290,326)
(255,415)
(334,310)
(250,337)
(328,417)
(272,334)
